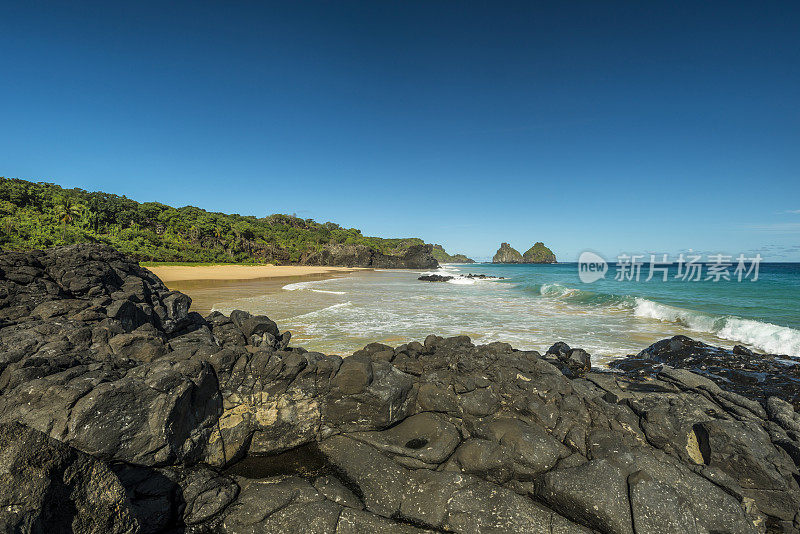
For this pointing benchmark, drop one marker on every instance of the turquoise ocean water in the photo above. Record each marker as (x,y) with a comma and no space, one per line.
(536,305)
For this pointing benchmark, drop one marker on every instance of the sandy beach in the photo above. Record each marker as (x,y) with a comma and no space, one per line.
(183,273)
(210,284)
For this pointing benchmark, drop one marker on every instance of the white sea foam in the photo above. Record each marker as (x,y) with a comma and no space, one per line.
(767,336)
(556,290)
(322,311)
(403,309)
(441,271)
(457,278)
(311,285)
(764,336)
(297,286)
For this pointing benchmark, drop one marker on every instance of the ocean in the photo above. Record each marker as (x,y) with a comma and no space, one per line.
(533,306)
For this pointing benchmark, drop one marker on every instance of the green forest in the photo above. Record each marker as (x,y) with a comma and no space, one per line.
(40,215)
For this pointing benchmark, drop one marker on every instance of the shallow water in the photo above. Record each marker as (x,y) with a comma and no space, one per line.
(532,308)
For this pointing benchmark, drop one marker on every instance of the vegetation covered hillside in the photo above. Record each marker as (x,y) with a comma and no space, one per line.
(539,253)
(443,257)
(40,215)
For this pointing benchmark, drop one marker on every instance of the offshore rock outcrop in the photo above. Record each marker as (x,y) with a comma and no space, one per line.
(461,258)
(416,257)
(507,254)
(538,253)
(442,256)
(122,411)
(435,278)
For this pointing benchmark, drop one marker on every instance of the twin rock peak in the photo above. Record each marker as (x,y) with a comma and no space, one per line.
(538,253)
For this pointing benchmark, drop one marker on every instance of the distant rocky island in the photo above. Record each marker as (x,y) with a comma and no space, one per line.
(538,253)
(123,412)
(443,257)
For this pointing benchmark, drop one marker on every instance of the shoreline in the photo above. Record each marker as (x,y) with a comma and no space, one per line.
(206,292)
(316,315)
(193,273)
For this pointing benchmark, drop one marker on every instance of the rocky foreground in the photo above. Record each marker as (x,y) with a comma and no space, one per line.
(122,411)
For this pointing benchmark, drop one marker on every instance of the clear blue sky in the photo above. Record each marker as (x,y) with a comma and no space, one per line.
(632,126)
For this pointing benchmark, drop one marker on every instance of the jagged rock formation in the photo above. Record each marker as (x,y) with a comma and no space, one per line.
(140,416)
(416,257)
(507,254)
(538,253)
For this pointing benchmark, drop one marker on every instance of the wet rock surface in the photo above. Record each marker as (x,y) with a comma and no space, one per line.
(755,376)
(435,278)
(123,411)
(447,278)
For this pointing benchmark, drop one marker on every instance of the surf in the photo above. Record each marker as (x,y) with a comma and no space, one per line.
(764,336)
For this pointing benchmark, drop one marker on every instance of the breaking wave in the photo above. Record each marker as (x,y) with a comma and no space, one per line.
(764,336)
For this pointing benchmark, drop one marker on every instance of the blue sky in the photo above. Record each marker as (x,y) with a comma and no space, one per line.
(616,127)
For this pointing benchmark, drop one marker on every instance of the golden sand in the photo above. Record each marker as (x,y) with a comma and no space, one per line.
(181,273)
(208,285)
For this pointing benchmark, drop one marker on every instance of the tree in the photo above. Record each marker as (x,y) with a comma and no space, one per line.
(32,212)
(67,212)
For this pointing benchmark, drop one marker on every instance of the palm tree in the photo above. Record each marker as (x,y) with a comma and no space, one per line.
(67,211)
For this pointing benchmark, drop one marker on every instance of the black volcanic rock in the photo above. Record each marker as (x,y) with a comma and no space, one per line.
(122,411)
(571,362)
(447,278)
(756,376)
(48,486)
(434,278)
